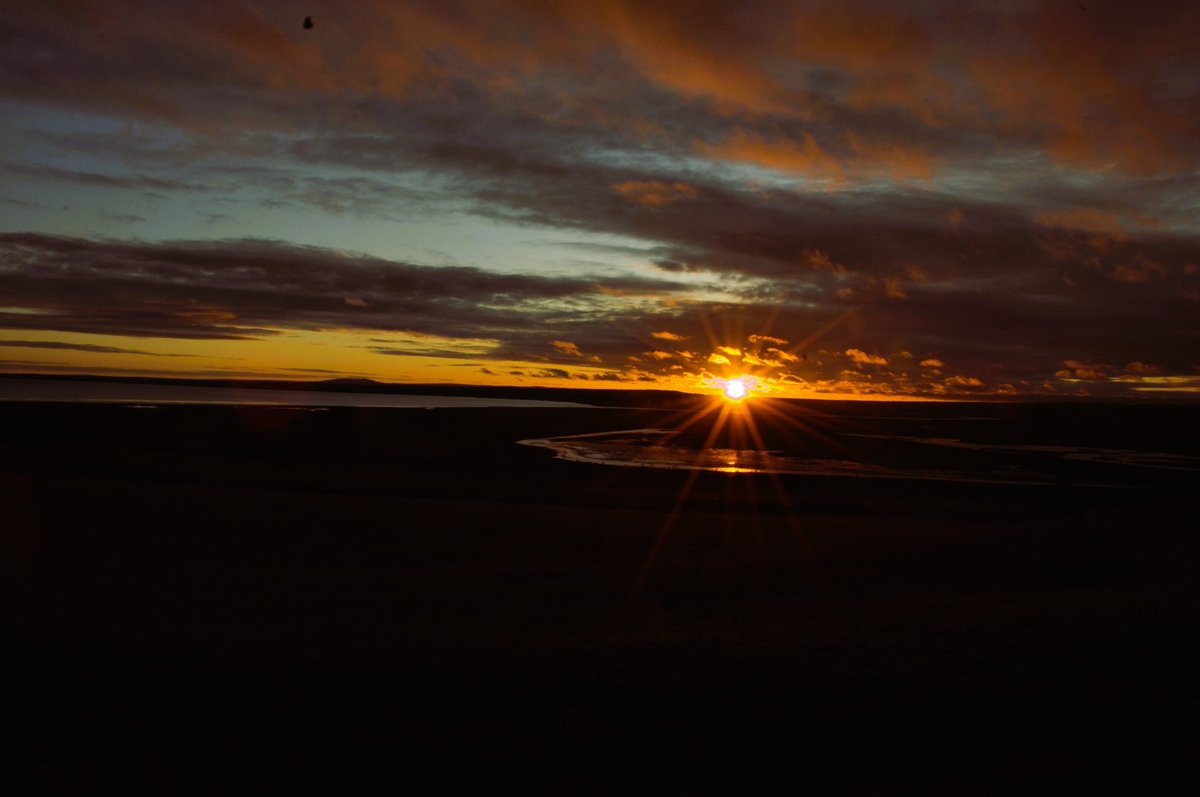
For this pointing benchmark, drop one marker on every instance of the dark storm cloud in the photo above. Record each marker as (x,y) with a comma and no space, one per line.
(245,289)
(550,373)
(87,347)
(870,245)
(828,88)
(704,221)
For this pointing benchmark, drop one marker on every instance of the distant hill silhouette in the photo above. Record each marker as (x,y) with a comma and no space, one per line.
(350,380)
(596,396)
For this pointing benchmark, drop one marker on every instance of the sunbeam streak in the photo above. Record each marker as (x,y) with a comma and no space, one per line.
(736,436)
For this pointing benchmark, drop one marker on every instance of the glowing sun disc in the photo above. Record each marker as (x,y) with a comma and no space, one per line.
(735,390)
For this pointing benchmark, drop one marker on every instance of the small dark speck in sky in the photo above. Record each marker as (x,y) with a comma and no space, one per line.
(308,23)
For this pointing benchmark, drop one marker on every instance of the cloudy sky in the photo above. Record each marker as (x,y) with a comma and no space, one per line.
(837,198)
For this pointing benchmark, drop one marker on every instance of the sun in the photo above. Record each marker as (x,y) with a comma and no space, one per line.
(735,389)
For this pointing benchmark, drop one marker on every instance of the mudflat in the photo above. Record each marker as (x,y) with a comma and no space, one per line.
(205,598)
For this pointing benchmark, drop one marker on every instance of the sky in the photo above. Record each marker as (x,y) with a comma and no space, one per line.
(838,199)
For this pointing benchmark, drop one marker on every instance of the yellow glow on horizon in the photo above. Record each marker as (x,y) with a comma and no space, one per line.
(323,354)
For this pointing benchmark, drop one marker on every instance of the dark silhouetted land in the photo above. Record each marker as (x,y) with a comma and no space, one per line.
(200,599)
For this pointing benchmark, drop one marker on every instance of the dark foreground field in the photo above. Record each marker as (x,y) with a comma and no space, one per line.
(217,599)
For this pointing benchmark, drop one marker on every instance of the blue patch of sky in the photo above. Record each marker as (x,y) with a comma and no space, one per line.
(248,192)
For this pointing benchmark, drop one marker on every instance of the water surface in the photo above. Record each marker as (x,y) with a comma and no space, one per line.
(880,456)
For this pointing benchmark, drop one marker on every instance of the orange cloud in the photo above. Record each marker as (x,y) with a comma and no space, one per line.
(821,261)
(898,161)
(1140,271)
(860,357)
(1100,222)
(779,153)
(961,382)
(655,194)
(1083,371)
(566,347)
(1087,83)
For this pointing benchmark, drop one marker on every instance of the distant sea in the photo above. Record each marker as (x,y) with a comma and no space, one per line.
(149,395)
